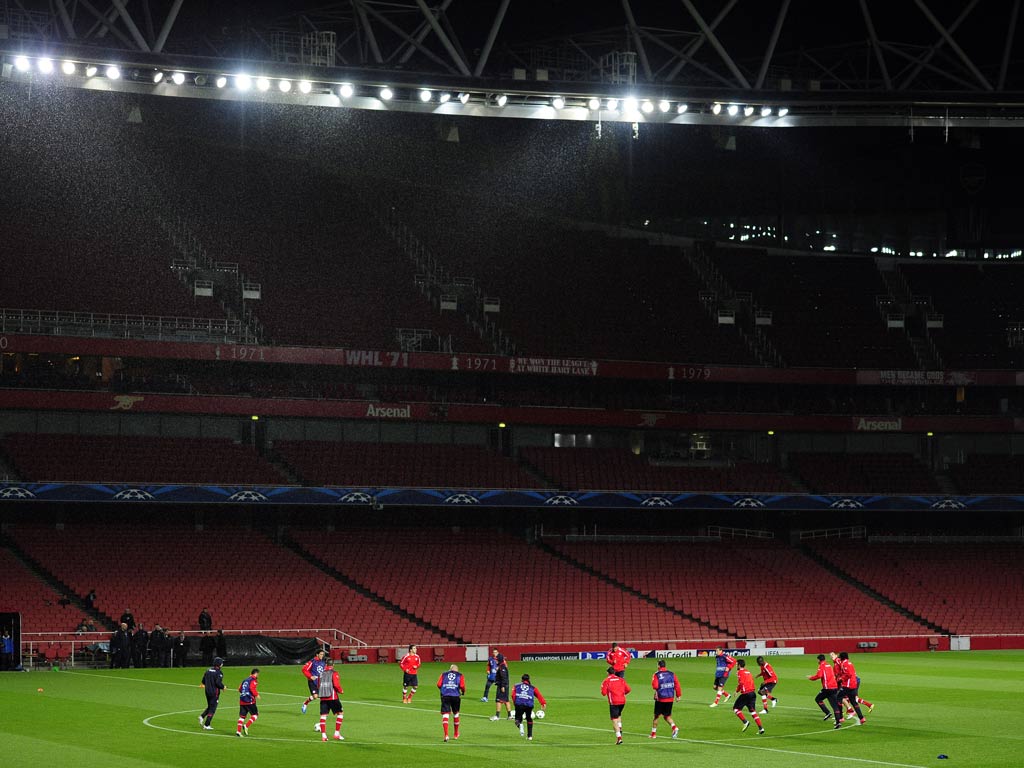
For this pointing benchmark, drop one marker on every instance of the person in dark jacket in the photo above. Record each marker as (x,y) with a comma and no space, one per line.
(205,621)
(140,647)
(128,618)
(207,645)
(120,647)
(222,644)
(180,649)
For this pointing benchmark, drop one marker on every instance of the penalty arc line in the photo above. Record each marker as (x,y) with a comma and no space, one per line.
(557,725)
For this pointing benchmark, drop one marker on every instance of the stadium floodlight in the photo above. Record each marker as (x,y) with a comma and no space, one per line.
(284,86)
(178,78)
(733,110)
(681,108)
(200,79)
(113,72)
(91,70)
(716,108)
(221,81)
(45,66)
(647,107)
(305,86)
(501,100)
(463,97)
(68,68)
(558,102)
(425,95)
(766,111)
(263,84)
(243,82)
(664,106)
(783,111)
(594,104)
(629,104)
(444,97)
(613,104)
(748,111)
(346,90)
(21,63)
(158,76)
(386,94)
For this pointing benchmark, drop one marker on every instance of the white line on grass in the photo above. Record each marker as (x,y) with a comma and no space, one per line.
(723,743)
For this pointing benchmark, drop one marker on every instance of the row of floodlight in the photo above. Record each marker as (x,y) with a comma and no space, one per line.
(244,82)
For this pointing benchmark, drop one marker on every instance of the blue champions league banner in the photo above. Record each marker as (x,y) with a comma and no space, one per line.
(432,497)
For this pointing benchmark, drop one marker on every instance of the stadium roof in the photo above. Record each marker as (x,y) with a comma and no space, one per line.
(845,62)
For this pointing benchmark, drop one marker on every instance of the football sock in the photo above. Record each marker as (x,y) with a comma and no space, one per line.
(337,723)
(757,720)
(323,725)
(741,717)
(455,720)
(444,724)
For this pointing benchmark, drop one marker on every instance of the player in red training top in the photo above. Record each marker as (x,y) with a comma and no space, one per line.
(618,659)
(410,665)
(452,685)
(328,689)
(615,689)
(829,689)
(767,685)
(666,692)
(247,696)
(311,671)
(746,698)
(723,665)
(849,684)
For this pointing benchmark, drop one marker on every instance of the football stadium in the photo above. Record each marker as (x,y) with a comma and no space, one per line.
(599,382)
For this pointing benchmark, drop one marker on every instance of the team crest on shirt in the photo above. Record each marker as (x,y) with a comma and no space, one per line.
(846,504)
(247,496)
(462,498)
(356,497)
(656,501)
(561,501)
(748,503)
(948,504)
(16,493)
(133,494)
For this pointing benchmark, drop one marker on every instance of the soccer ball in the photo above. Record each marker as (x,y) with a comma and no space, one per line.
(539,715)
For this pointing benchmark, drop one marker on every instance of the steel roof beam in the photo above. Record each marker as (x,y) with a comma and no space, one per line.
(1011,32)
(938,45)
(953,44)
(445,41)
(879,56)
(713,39)
(696,44)
(492,35)
(772,42)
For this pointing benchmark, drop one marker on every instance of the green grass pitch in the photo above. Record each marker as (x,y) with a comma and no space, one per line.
(959,704)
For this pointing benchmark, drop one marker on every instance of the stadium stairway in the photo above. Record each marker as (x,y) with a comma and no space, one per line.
(56,584)
(295,547)
(548,549)
(878,596)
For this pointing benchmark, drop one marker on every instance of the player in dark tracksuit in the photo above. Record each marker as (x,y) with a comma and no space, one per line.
(492,673)
(213,684)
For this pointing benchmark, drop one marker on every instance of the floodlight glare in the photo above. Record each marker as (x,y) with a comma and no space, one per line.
(346,90)
(647,107)
(45,66)
(681,108)
(664,106)
(613,104)
(158,76)
(221,81)
(445,97)
(305,86)
(386,94)
(558,102)
(594,104)
(90,70)
(502,100)
(243,82)
(630,104)
(716,108)
(263,83)
(748,111)
(783,111)
(425,95)
(21,64)
(464,97)
(285,86)
(766,111)
(68,67)
(733,110)
(178,78)
(113,72)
